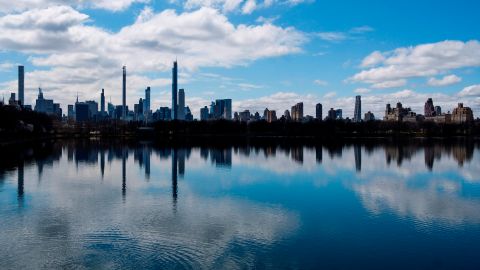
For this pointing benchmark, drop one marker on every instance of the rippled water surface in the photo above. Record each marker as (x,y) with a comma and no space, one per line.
(112,205)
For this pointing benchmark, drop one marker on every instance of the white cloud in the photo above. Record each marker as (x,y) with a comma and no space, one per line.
(361,29)
(447,80)
(332,36)
(389,84)
(249,6)
(320,82)
(354,33)
(6,66)
(243,6)
(424,60)
(111,5)
(470,91)
(373,59)
(362,90)
(330,95)
(59,40)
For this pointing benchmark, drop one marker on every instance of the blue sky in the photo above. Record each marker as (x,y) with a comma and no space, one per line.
(270,53)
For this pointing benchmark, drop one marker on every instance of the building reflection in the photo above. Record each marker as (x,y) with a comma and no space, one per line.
(174,176)
(98,153)
(357,149)
(20,184)
(220,157)
(124,172)
(297,154)
(319,154)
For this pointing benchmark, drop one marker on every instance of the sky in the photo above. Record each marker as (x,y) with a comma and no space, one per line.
(259,53)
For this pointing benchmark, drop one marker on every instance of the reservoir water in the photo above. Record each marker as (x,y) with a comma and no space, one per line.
(116,205)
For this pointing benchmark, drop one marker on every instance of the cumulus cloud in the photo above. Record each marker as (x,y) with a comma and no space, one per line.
(373,59)
(470,91)
(61,42)
(425,60)
(111,5)
(389,84)
(447,80)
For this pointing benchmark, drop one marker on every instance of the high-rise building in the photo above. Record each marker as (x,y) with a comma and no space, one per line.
(222,109)
(124,92)
(43,105)
(82,112)
(204,115)
(271,116)
(318,111)
(181,104)
(287,116)
(429,109)
(174,91)
(188,114)
(399,113)
(369,116)
(138,110)
(146,101)
(462,114)
(244,116)
(71,112)
(12,101)
(332,114)
(265,114)
(357,115)
(92,109)
(164,114)
(339,113)
(21,85)
(102,101)
(438,110)
(111,110)
(297,112)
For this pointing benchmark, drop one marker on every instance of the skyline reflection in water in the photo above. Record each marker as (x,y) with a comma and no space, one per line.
(98,204)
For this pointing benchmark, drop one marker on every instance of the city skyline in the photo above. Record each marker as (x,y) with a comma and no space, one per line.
(222,109)
(323,60)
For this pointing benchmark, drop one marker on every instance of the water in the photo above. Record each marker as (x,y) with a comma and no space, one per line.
(113,205)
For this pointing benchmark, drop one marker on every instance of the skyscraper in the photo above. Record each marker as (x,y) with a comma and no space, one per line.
(204,115)
(318,111)
(357,115)
(181,104)
(146,102)
(124,103)
(21,85)
(174,91)
(102,101)
(429,109)
(221,109)
(297,112)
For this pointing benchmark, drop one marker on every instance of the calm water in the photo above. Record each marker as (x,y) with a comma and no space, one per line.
(107,205)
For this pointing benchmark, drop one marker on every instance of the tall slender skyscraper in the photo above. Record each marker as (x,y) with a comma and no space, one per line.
(174,91)
(181,104)
(124,92)
(146,102)
(357,115)
(102,101)
(21,85)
